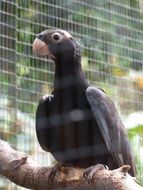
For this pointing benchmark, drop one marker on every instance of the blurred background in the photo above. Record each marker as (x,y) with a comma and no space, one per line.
(110,33)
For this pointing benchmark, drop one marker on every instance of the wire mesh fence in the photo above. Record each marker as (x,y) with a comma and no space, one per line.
(110,34)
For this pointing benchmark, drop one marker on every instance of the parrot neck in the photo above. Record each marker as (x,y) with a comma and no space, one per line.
(68,71)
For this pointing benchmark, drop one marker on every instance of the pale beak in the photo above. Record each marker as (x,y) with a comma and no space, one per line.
(40,47)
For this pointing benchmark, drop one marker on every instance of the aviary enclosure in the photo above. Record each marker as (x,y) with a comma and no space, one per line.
(110,33)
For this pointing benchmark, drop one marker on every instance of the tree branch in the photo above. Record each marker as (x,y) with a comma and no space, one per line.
(21,169)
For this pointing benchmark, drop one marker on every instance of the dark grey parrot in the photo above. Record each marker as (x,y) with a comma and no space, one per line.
(78,123)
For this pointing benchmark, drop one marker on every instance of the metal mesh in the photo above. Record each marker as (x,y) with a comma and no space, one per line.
(110,34)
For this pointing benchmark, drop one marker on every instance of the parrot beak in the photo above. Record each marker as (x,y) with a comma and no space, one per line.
(40,47)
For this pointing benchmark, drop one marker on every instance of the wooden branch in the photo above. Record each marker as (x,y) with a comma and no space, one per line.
(21,169)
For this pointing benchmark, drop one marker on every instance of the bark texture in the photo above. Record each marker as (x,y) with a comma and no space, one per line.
(21,169)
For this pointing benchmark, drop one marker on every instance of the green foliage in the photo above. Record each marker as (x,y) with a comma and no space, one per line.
(138,130)
(136,138)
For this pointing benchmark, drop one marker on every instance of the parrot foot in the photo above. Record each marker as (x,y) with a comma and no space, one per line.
(91,171)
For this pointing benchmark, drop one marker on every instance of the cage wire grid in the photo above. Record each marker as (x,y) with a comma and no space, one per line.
(110,34)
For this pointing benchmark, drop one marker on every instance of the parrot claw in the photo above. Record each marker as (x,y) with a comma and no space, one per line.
(91,171)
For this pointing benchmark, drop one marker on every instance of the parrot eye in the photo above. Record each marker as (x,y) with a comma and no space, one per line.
(57,37)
